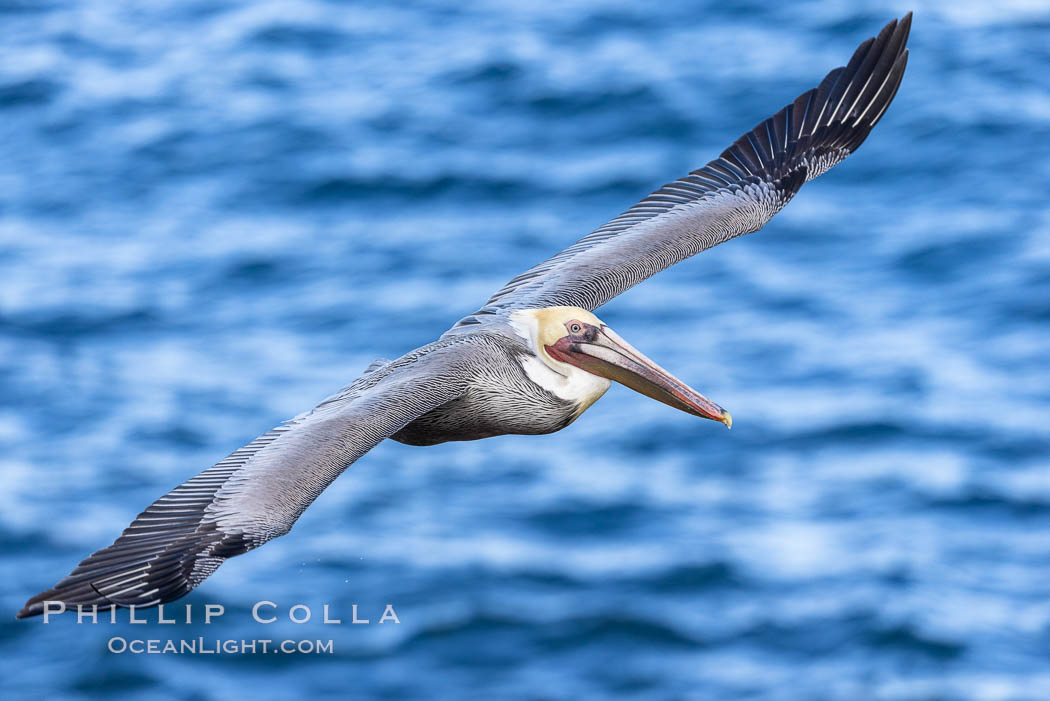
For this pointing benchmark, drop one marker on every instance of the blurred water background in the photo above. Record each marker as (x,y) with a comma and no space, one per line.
(212,214)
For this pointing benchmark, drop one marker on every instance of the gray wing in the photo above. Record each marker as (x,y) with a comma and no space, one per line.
(256,493)
(735,194)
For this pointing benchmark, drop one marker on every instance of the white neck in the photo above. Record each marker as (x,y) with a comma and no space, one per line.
(563,380)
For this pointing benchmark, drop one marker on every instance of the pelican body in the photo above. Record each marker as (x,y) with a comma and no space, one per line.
(561,361)
(530,361)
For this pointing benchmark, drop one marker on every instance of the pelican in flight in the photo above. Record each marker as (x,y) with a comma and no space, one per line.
(530,361)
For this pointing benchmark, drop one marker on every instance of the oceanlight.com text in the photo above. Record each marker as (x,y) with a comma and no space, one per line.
(214,646)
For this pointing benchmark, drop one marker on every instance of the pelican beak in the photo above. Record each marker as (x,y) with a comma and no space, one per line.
(600,351)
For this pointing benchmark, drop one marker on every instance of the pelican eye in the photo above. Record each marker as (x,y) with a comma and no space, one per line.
(574,327)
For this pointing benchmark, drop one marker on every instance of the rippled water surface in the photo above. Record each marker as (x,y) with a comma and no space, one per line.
(212,214)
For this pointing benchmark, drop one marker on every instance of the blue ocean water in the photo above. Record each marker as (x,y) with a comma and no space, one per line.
(213,214)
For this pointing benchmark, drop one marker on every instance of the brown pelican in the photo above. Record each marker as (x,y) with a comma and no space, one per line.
(530,361)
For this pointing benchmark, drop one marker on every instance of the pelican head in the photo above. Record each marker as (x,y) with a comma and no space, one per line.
(570,339)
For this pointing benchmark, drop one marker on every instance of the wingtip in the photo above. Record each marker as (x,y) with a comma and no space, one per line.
(906,21)
(904,26)
(69,596)
(33,607)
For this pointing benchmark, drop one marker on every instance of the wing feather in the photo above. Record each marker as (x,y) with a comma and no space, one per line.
(737,193)
(257,492)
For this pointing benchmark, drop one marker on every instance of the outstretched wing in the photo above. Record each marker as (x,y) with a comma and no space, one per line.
(735,194)
(256,493)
